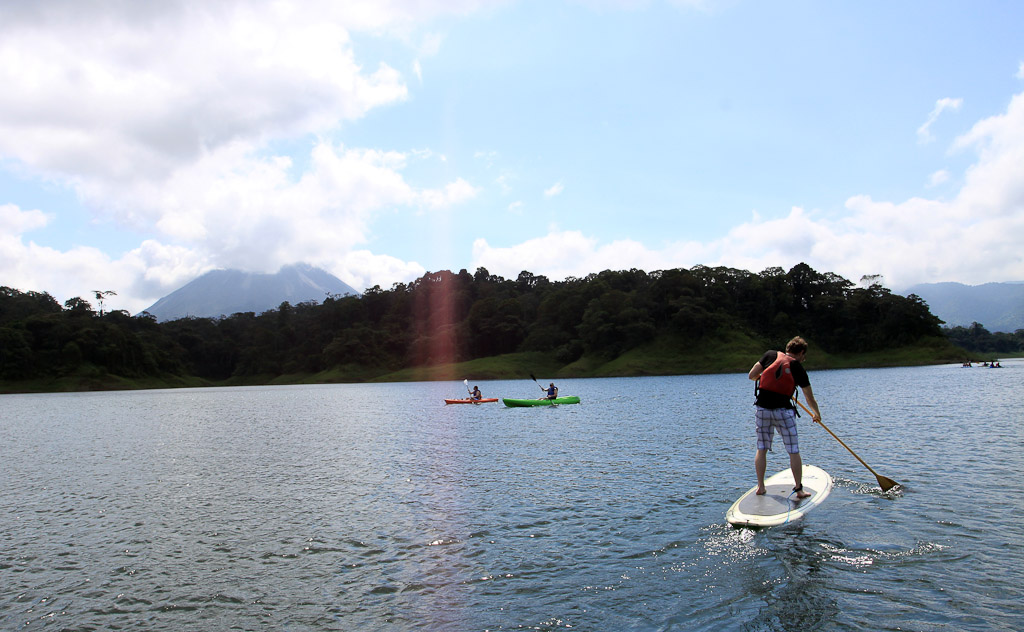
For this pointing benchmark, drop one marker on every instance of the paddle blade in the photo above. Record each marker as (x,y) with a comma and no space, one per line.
(533,378)
(886,483)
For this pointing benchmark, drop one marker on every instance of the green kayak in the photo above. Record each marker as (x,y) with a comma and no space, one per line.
(541,402)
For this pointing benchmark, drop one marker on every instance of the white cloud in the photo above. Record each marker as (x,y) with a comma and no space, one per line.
(453,193)
(486,157)
(14,221)
(561,254)
(362,269)
(554,190)
(64,274)
(924,134)
(994,183)
(937,178)
(1020,71)
(249,213)
(114,93)
(504,182)
(430,45)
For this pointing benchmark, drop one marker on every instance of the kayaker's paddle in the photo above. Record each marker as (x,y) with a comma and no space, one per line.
(466,382)
(541,387)
(886,483)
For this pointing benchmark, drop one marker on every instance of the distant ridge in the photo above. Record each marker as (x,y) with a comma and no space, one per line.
(225,292)
(997,306)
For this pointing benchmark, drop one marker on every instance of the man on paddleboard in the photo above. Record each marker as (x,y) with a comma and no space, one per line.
(778,374)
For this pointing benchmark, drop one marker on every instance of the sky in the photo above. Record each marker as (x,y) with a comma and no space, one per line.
(143,144)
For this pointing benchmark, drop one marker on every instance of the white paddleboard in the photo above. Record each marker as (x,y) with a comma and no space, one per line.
(780,505)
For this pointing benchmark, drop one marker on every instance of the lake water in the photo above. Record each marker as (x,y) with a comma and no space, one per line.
(376,507)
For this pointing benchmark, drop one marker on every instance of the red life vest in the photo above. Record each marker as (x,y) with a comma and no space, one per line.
(778,377)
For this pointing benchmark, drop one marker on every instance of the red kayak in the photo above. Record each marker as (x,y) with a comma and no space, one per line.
(471,401)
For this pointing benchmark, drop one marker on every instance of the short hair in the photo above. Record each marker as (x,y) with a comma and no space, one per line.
(796,345)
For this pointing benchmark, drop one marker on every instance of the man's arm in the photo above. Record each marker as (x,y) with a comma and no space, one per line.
(809,396)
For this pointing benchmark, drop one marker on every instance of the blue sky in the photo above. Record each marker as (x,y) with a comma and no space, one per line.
(141,146)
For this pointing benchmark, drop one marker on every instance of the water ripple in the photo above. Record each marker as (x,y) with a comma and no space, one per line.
(362,507)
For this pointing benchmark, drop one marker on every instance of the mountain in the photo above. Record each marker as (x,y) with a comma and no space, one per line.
(997,306)
(225,292)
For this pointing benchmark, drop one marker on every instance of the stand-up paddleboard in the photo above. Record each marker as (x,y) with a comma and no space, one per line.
(780,505)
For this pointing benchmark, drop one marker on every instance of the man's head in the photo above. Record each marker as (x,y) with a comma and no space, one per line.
(796,346)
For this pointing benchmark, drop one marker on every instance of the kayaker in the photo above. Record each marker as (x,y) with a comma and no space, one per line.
(779,374)
(552,392)
(476,394)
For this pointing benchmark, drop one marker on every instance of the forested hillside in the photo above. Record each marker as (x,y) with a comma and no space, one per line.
(445,317)
(978,339)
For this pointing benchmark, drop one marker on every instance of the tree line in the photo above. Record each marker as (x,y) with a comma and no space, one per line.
(446,317)
(977,339)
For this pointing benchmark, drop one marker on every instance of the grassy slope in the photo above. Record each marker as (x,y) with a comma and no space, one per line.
(96,380)
(729,352)
(509,366)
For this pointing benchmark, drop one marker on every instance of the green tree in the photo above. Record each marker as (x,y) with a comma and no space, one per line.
(101,297)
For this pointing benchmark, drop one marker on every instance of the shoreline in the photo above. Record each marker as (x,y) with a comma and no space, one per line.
(513,366)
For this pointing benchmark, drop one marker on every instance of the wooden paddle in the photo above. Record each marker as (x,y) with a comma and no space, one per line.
(886,483)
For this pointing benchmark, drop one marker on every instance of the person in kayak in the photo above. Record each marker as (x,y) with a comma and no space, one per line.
(476,394)
(552,392)
(778,374)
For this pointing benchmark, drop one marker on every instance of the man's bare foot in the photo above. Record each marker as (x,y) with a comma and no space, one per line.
(761,491)
(800,493)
